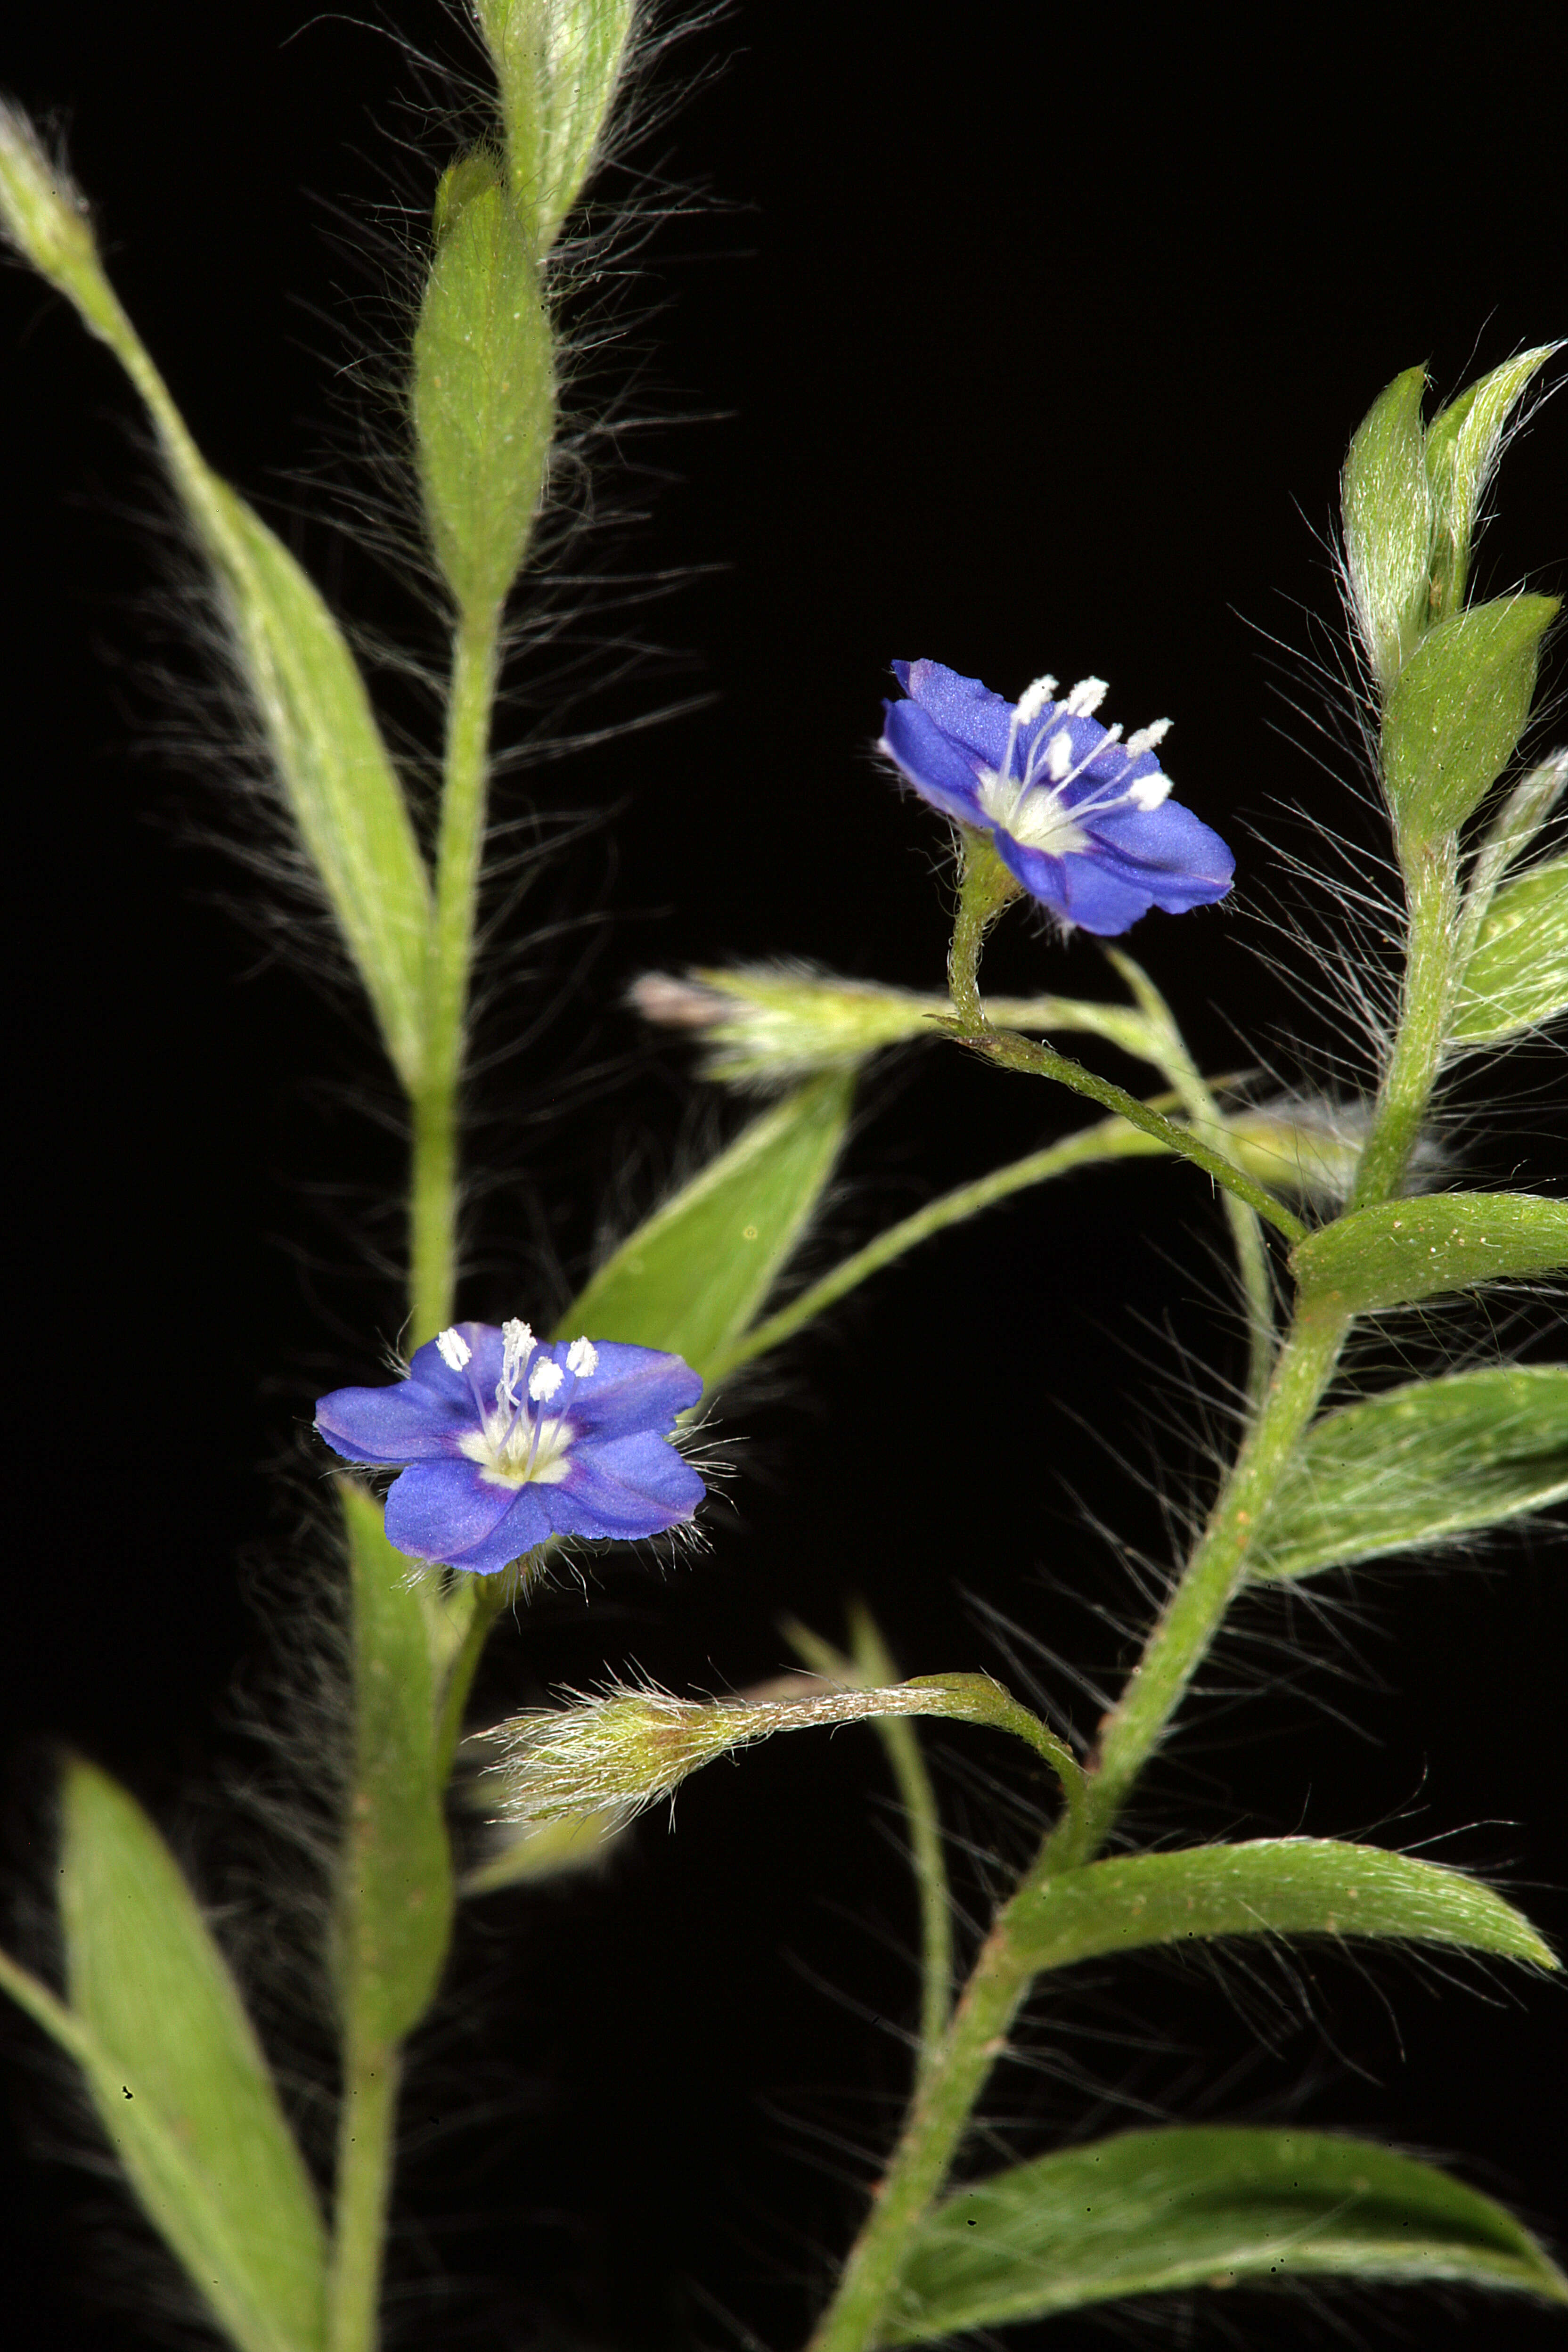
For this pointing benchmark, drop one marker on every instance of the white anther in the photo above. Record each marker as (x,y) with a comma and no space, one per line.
(544,1379)
(1086,697)
(1033,700)
(1058,756)
(582,1358)
(455,1349)
(1143,739)
(1148,791)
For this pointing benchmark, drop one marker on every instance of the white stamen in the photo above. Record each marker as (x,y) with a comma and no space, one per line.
(582,1358)
(1148,791)
(1086,697)
(1033,700)
(1058,756)
(544,1379)
(1143,739)
(455,1349)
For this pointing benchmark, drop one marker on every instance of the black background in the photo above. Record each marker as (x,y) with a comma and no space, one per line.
(1001,339)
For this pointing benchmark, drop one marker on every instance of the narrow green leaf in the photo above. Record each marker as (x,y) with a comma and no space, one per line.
(1153,2212)
(337,778)
(1462,445)
(1386,502)
(1436,1459)
(558,62)
(1518,977)
(394,1897)
(691,1277)
(1269,1886)
(177,2076)
(484,386)
(1455,716)
(1402,1251)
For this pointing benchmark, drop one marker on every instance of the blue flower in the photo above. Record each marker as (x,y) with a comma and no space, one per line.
(510,1440)
(1082,819)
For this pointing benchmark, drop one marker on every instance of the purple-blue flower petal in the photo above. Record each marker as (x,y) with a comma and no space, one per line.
(975,718)
(1184,859)
(439,1510)
(408,1422)
(932,762)
(631,1389)
(630,1487)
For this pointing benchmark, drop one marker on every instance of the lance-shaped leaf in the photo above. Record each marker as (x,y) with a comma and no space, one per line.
(557,62)
(1518,976)
(1418,1464)
(394,1892)
(1386,500)
(484,390)
(1402,1251)
(336,778)
(1154,2212)
(1462,445)
(1456,713)
(1268,1887)
(176,2073)
(692,1277)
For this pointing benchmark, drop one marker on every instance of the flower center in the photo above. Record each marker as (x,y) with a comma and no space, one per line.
(1032,813)
(1031,806)
(512,1449)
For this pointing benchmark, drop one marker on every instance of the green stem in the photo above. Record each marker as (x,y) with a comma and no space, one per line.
(1247,1234)
(459,850)
(1108,1139)
(365,2121)
(1044,1061)
(873,1663)
(1426,1004)
(945,2098)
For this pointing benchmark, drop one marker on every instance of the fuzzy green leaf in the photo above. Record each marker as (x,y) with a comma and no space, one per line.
(1518,976)
(691,1278)
(1268,1887)
(1420,1464)
(337,778)
(394,1893)
(178,2077)
(557,62)
(1462,445)
(1154,2212)
(1455,714)
(1386,502)
(1402,1251)
(484,387)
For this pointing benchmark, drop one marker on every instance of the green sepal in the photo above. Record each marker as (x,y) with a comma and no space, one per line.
(693,1275)
(1517,977)
(1417,1465)
(177,2075)
(1386,500)
(484,386)
(1456,713)
(1156,2212)
(394,1891)
(1401,1251)
(558,63)
(1268,1887)
(1462,444)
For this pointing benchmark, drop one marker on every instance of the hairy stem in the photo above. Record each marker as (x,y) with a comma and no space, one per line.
(365,2121)
(945,2094)
(460,849)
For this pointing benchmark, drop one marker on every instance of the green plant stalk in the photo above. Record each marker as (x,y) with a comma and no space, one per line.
(1110,1139)
(367,2117)
(944,2099)
(1247,1236)
(459,852)
(1432,894)
(369,2112)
